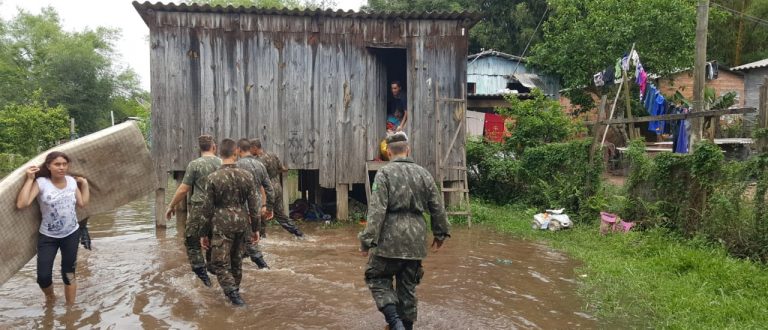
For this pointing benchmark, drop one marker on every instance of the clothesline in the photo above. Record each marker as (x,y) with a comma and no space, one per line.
(653,100)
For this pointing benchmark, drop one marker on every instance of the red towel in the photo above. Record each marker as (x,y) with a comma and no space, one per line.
(494,127)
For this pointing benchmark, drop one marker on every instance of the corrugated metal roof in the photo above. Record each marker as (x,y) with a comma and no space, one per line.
(754,65)
(496,53)
(471,17)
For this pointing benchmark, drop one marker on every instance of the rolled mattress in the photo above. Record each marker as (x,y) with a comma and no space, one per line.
(118,167)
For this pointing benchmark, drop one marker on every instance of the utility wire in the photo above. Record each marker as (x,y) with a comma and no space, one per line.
(530,40)
(748,17)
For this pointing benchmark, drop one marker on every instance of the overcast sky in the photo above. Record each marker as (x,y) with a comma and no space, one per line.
(132,47)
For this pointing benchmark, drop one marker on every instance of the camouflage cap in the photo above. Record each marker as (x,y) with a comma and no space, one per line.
(397,137)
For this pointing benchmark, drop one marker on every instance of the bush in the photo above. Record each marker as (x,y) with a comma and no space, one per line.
(701,194)
(10,162)
(539,164)
(555,175)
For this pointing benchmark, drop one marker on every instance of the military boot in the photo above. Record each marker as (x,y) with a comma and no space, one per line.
(392,318)
(408,325)
(203,275)
(260,262)
(234,297)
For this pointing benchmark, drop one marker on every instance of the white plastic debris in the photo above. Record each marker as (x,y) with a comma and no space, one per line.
(553,220)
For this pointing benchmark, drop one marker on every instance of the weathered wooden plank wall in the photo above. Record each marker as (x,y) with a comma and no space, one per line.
(308,86)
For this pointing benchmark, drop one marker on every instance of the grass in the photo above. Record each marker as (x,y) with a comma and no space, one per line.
(652,278)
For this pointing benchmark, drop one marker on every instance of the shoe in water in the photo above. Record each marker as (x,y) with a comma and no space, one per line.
(203,276)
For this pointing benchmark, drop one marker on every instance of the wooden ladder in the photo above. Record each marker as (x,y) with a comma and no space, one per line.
(466,209)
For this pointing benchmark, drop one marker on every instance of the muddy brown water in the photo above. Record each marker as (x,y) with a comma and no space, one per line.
(137,277)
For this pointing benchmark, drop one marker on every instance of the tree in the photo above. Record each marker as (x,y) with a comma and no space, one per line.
(70,69)
(735,39)
(537,121)
(26,129)
(506,25)
(586,36)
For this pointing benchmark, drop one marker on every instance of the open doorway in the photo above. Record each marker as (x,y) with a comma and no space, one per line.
(394,61)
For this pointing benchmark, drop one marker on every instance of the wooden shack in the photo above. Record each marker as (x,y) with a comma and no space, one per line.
(311,84)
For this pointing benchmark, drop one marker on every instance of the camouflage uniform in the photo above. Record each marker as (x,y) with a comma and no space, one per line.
(231,204)
(261,179)
(274,168)
(396,233)
(196,177)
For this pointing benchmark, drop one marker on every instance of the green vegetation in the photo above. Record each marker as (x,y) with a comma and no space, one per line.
(506,25)
(539,164)
(651,278)
(49,75)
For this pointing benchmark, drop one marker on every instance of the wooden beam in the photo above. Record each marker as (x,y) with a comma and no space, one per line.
(160,201)
(486,103)
(286,193)
(762,117)
(342,201)
(680,116)
(453,141)
(598,130)
(451,100)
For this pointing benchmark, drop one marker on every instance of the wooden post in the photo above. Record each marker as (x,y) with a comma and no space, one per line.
(628,103)
(438,136)
(598,129)
(342,201)
(699,70)
(286,192)
(181,208)
(72,129)
(160,200)
(762,115)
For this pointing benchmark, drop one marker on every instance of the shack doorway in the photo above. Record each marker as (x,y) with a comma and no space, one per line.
(394,62)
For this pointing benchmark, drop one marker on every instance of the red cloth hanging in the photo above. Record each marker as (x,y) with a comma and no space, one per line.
(494,127)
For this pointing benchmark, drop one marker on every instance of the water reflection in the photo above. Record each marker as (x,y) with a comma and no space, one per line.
(137,277)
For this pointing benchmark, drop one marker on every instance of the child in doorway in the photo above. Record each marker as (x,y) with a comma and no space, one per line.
(394,121)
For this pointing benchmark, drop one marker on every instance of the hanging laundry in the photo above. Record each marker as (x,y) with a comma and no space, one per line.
(598,79)
(625,63)
(642,79)
(635,58)
(494,127)
(608,75)
(650,97)
(617,72)
(680,145)
(659,105)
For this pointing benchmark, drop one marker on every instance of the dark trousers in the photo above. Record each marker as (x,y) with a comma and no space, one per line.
(406,275)
(46,253)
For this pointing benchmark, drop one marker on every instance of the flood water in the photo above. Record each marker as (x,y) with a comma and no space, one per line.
(137,277)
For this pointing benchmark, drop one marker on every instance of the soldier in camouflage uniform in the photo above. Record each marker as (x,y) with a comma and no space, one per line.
(274,169)
(230,206)
(194,180)
(396,232)
(264,185)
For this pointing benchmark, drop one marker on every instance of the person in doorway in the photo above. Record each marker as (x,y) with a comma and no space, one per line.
(195,179)
(57,194)
(275,168)
(262,183)
(395,232)
(230,206)
(397,108)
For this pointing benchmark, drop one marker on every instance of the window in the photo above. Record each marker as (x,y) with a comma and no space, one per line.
(471,88)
